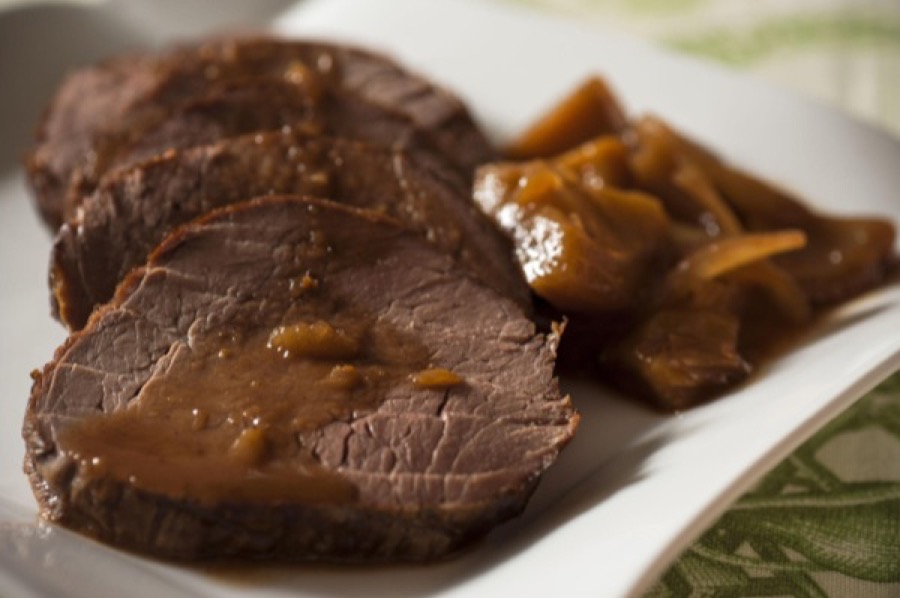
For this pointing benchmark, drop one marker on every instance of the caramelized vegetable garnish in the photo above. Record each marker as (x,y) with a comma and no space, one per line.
(590,111)
(436,378)
(843,256)
(663,169)
(679,356)
(582,248)
(722,256)
(677,271)
(315,340)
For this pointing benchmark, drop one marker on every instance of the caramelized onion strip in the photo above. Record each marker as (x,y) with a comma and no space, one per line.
(780,286)
(722,256)
(744,260)
(662,167)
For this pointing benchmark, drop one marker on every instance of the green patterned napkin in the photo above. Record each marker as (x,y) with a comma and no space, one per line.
(826,521)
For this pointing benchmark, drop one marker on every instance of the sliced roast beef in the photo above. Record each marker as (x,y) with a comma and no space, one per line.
(101,114)
(131,211)
(260,105)
(246,106)
(296,379)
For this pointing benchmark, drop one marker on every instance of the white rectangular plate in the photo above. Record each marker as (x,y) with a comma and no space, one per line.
(635,486)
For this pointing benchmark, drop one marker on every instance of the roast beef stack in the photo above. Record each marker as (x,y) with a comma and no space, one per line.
(293,335)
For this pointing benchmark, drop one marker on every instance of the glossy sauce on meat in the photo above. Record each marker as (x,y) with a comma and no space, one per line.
(221,421)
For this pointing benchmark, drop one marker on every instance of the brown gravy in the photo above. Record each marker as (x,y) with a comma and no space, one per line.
(221,421)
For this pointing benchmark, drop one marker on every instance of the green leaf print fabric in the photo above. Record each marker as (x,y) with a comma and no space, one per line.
(826,521)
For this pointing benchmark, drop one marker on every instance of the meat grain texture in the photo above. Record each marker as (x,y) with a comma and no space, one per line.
(429,469)
(135,106)
(132,210)
(184,418)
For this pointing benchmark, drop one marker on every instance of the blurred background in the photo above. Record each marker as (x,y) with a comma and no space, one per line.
(843,52)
